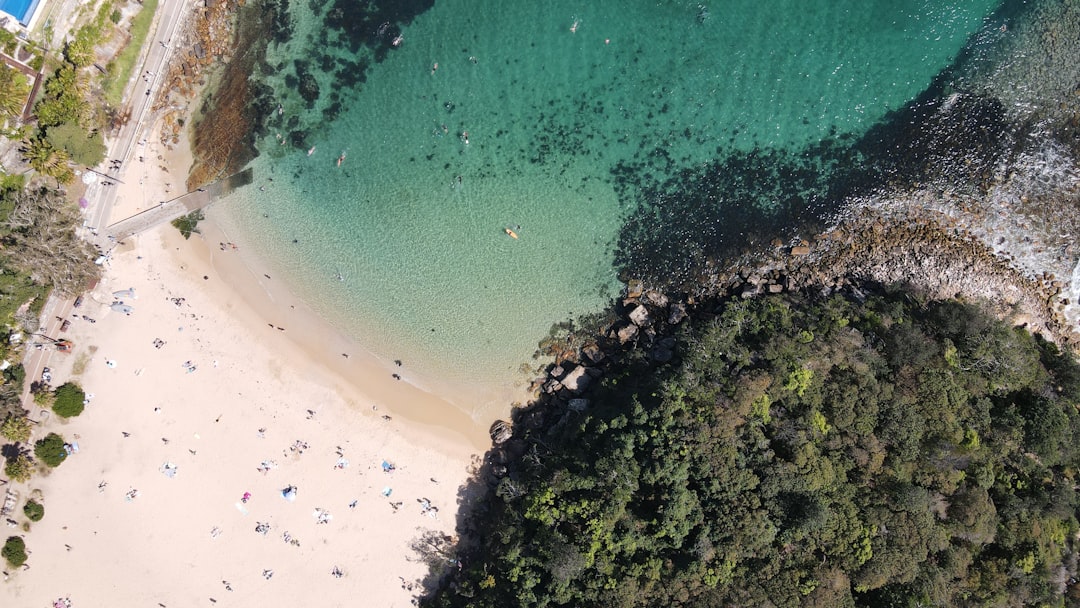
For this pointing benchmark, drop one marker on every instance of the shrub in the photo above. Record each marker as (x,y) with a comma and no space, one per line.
(69,401)
(42,396)
(33,510)
(14,551)
(19,469)
(50,450)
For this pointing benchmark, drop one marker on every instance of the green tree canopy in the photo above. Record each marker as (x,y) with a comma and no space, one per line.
(84,148)
(33,510)
(19,468)
(796,452)
(14,90)
(47,159)
(50,450)
(70,400)
(14,551)
(16,427)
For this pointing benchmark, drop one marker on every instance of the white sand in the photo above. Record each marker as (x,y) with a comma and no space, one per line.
(158,547)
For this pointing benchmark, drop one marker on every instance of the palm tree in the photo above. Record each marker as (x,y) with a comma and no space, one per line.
(47,160)
(14,89)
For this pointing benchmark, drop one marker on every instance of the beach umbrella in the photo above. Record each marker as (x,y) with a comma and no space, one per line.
(289,493)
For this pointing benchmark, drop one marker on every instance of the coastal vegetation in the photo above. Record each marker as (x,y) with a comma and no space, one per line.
(14,87)
(19,467)
(14,551)
(77,103)
(51,450)
(120,68)
(188,224)
(15,428)
(69,400)
(860,450)
(33,510)
(41,243)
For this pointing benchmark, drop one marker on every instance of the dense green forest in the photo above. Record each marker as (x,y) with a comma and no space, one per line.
(797,452)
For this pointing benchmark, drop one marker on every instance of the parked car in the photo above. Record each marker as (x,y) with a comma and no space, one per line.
(78,302)
(46,375)
(65,325)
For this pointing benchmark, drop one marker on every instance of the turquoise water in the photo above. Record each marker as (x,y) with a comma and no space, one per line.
(413,220)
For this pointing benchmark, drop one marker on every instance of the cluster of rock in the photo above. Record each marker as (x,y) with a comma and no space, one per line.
(865,252)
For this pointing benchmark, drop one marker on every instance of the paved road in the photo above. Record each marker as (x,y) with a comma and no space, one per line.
(165,212)
(170,18)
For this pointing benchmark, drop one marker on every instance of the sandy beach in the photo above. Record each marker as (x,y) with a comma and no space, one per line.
(198,399)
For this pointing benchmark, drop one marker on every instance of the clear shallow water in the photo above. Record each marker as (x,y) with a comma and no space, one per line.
(414,218)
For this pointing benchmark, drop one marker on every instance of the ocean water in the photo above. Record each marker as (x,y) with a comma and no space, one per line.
(550,119)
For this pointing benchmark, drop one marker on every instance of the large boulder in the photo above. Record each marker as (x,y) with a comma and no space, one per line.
(627,334)
(656,298)
(593,353)
(500,431)
(640,316)
(676,313)
(577,380)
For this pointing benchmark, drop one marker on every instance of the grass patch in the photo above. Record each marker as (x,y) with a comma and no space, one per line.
(120,68)
(81,361)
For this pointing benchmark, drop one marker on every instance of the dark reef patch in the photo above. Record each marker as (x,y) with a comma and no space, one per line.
(737,202)
(374,25)
(678,228)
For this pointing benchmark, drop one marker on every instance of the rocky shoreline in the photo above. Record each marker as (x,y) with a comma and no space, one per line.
(208,89)
(1010,247)
(921,250)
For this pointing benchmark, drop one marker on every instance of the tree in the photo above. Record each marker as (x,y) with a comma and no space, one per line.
(15,374)
(70,400)
(16,428)
(84,148)
(44,244)
(14,89)
(51,450)
(14,551)
(46,159)
(33,510)
(19,469)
